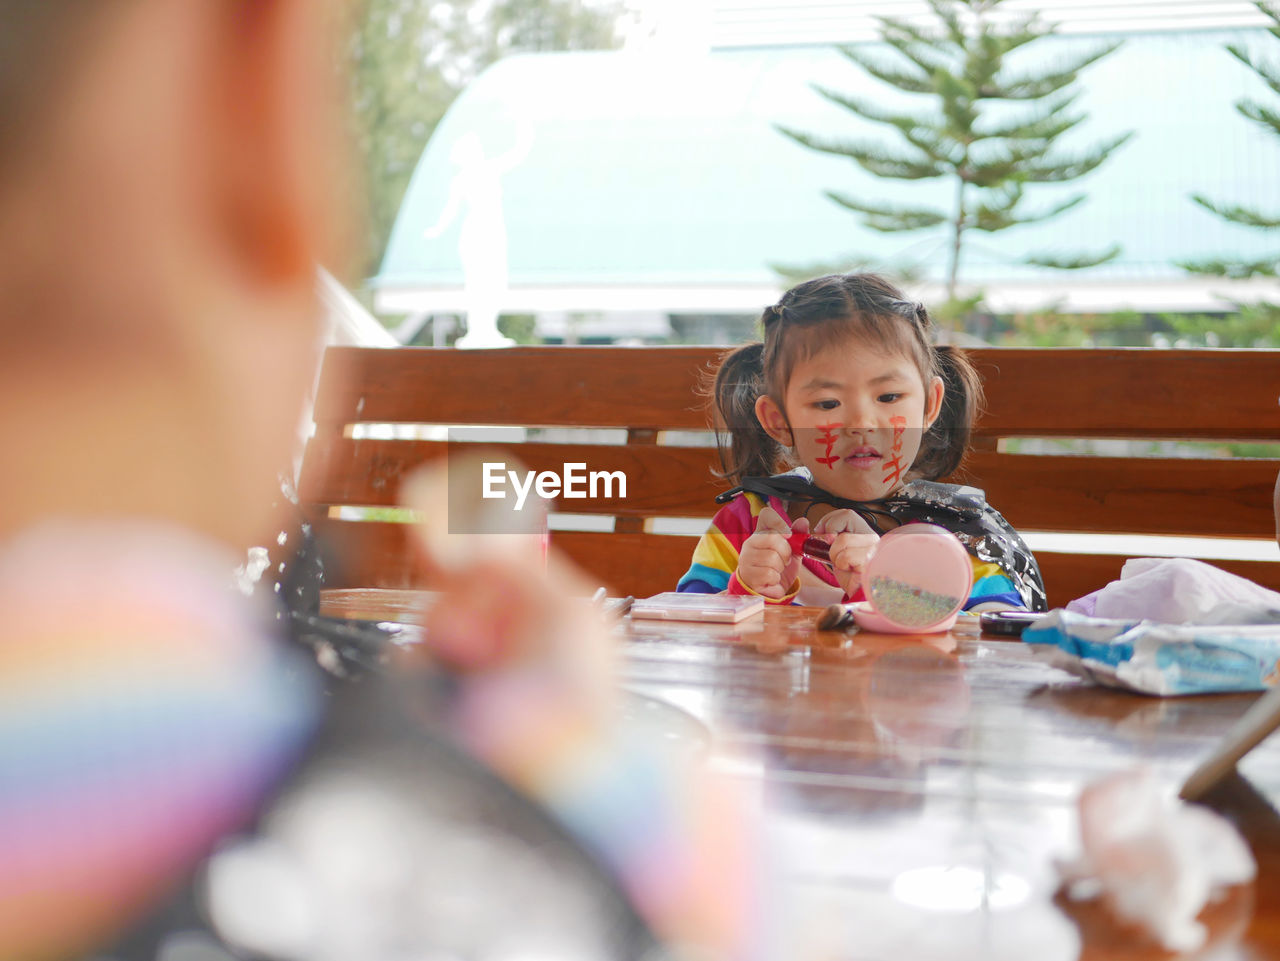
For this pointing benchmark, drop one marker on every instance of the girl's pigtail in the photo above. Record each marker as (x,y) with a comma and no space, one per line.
(739,381)
(943,446)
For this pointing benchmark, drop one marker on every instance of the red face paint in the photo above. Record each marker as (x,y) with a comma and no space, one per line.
(894,467)
(828,438)
(899,428)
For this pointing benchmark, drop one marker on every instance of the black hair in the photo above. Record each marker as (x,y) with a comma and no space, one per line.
(820,314)
(41,41)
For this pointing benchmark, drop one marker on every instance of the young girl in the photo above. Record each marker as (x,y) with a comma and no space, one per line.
(849,391)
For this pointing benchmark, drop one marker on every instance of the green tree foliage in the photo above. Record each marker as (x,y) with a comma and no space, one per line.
(1259,321)
(544,25)
(991,130)
(519,327)
(408,59)
(1249,325)
(1050,327)
(1244,326)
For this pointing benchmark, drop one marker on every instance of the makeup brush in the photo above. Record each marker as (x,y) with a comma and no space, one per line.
(836,617)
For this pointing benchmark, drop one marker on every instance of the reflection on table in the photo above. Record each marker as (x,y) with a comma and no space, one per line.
(918,790)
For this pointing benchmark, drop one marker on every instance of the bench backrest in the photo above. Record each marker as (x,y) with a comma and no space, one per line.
(643,394)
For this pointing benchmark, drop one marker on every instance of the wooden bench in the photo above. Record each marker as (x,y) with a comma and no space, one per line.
(643,394)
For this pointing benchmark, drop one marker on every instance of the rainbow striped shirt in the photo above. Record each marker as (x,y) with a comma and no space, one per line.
(716,558)
(144,713)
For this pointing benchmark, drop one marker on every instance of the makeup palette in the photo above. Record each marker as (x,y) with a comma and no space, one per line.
(916,580)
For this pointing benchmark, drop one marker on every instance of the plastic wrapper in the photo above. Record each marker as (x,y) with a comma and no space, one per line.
(1161,659)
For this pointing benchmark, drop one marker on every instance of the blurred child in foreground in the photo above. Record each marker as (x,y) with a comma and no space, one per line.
(167,180)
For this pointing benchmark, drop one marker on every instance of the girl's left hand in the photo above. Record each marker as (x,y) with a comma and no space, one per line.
(851,539)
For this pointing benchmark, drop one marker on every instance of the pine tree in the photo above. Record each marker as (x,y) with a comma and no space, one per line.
(1262,320)
(990,130)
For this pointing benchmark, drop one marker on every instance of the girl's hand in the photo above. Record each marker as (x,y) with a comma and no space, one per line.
(766,563)
(851,540)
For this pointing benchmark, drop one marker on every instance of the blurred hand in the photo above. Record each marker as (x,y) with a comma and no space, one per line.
(537,700)
(497,617)
(503,615)
(766,563)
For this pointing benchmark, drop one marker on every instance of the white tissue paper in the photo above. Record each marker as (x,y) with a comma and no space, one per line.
(1178,590)
(1154,860)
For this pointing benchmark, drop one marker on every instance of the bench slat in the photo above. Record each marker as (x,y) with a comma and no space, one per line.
(1129,495)
(1182,496)
(1068,576)
(526,386)
(661,481)
(1138,392)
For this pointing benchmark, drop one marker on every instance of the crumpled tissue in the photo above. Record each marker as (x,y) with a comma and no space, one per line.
(1179,590)
(1155,861)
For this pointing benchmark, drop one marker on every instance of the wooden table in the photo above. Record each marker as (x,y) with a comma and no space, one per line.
(917,790)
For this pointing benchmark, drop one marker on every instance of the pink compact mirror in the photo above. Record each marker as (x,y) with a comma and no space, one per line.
(916,580)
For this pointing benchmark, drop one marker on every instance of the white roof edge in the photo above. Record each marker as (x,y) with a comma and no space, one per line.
(347,320)
(1069,295)
(697,299)
(736,24)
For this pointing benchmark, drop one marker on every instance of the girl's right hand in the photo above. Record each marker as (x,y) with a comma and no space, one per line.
(766,563)
(852,540)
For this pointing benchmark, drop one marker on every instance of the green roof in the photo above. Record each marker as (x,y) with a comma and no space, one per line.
(646,172)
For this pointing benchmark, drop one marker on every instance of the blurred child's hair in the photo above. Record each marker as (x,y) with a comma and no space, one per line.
(835,313)
(38,46)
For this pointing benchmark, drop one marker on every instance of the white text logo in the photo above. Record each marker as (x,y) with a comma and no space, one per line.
(575,482)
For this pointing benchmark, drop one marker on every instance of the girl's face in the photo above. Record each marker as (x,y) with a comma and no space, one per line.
(854,417)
